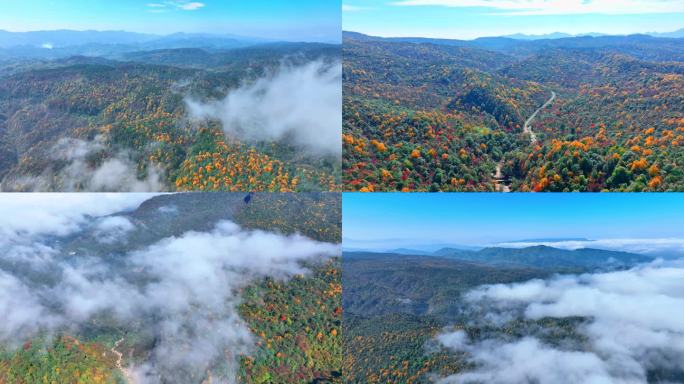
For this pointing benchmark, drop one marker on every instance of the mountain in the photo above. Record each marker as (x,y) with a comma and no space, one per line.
(396,306)
(70,38)
(455,115)
(167,245)
(554,35)
(112,44)
(548,240)
(675,34)
(65,38)
(635,44)
(522,36)
(129,105)
(542,256)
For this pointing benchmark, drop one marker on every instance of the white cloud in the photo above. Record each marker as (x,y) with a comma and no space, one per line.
(529,361)
(117,173)
(352,8)
(301,104)
(47,46)
(633,324)
(184,5)
(191,6)
(183,290)
(113,229)
(58,214)
(559,7)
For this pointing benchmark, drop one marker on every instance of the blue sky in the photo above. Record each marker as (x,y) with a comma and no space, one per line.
(310,20)
(378,220)
(467,19)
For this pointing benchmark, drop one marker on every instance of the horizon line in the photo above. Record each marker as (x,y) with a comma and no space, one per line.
(570,35)
(224,34)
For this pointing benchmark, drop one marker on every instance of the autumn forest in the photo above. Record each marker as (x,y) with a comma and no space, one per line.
(498,114)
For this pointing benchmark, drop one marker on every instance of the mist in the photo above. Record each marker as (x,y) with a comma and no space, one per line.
(631,324)
(182,292)
(117,173)
(299,105)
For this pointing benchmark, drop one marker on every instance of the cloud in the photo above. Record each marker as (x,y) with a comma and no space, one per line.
(191,6)
(529,361)
(182,292)
(47,46)
(558,7)
(117,172)
(632,325)
(58,214)
(298,104)
(352,8)
(183,5)
(28,220)
(113,229)
(672,246)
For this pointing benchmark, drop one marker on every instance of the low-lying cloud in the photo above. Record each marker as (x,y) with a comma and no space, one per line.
(632,324)
(557,7)
(117,173)
(301,105)
(182,292)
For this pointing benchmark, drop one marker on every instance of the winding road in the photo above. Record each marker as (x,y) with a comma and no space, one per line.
(503,185)
(527,129)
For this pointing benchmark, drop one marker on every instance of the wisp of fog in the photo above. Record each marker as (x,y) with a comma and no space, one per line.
(632,325)
(301,105)
(116,173)
(182,290)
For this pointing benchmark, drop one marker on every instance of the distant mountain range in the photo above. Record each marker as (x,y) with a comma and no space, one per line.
(517,36)
(68,38)
(560,35)
(645,47)
(65,43)
(554,35)
(541,256)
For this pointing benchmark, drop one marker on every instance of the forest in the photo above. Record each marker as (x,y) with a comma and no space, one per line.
(497,114)
(272,316)
(151,117)
(432,317)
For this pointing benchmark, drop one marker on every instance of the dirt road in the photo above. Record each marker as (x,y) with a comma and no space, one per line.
(527,129)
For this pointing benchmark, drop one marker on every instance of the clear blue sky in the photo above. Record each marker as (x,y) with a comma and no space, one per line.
(479,218)
(467,19)
(311,20)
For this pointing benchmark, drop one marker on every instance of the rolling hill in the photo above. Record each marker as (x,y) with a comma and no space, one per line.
(396,305)
(426,114)
(126,116)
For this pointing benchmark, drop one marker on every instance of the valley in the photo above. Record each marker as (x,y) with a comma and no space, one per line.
(571,114)
(175,113)
(429,318)
(175,288)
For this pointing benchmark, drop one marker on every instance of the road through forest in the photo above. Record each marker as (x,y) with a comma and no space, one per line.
(499,180)
(527,129)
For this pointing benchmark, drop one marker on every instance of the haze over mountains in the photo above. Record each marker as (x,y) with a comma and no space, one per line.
(458,314)
(64,43)
(560,35)
(183,288)
(100,102)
